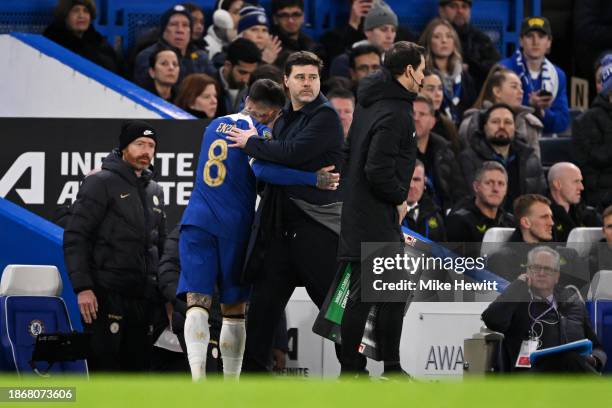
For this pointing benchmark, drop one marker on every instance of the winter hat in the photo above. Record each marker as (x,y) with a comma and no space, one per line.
(606,74)
(445,2)
(133,129)
(63,7)
(380,14)
(252,16)
(176,9)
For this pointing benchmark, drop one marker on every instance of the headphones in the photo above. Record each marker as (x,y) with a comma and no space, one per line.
(419,84)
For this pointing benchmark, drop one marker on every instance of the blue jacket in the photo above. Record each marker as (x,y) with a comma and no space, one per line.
(556,118)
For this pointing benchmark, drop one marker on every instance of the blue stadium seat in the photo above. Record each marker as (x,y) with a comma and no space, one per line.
(23,316)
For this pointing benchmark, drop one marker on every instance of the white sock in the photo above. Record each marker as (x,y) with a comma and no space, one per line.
(197,336)
(232,341)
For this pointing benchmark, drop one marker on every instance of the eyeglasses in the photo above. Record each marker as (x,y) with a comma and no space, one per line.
(295,15)
(367,68)
(541,268)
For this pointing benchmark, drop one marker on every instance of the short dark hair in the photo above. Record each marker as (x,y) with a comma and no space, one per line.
(160,48)
(363,49)
(268,92)
(484,118)
(427,101)
(302,58)
(523,203)
(342,93)
(276,5)
(191,7)
(401,54)
(242,50)
(267,71)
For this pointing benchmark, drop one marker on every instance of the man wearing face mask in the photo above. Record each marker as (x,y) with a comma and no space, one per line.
(496,141)
(112,244)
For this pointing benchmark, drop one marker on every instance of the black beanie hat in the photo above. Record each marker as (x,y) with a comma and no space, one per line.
(133,129)
(177,9)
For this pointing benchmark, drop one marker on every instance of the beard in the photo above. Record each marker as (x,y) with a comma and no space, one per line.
(500,140)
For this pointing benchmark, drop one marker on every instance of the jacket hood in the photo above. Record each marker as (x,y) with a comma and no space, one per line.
(381,85)
(115,163)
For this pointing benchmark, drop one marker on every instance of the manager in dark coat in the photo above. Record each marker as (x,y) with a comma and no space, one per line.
(376,179)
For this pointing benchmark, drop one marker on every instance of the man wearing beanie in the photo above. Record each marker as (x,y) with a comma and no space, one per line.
(175,31)
(112,243)
(254,26)
(592,139)
(380,29)
(479,53)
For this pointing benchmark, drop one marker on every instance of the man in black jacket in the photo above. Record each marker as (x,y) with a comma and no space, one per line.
(295,232)
(565,190)
(479,53)
(444,180)
(423,215)
(112,244)
(535,310)
(382,154)
(496,141)
(473,216)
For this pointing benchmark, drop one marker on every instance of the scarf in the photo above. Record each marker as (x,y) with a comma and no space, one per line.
(452,92)
(549,80)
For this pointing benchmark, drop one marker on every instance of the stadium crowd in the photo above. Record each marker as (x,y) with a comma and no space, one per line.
(478,119)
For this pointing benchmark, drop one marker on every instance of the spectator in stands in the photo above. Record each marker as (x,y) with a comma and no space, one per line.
(592,36)
(288,18)
(343,102)
(443,174)
(434,90)
(164,71)
(473,216)
(341,39)
(592,140)
(72,28)
(565,190)
(379,28)
(197,34)
(224,27)
(175,28)
(444,54)
(363,60)
(241,60)
(504,86)
(479,53)
(598,84)
(254,26)
(198,95)
(423,215)
(544,83)
(112,244)
(496,141)
(535,307)
(600,257)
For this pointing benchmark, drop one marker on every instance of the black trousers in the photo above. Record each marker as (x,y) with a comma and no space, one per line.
(388,329)
(122,334)
(568,362)
(305,255)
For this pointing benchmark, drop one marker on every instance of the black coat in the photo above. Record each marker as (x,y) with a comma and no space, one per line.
(116,231)
(579,215)
(429,222)
(592,140)
(509,314)
(92,46)
(478,52)
(466,223)
(381,157)
(307,139)
(444,172)
(530,174)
